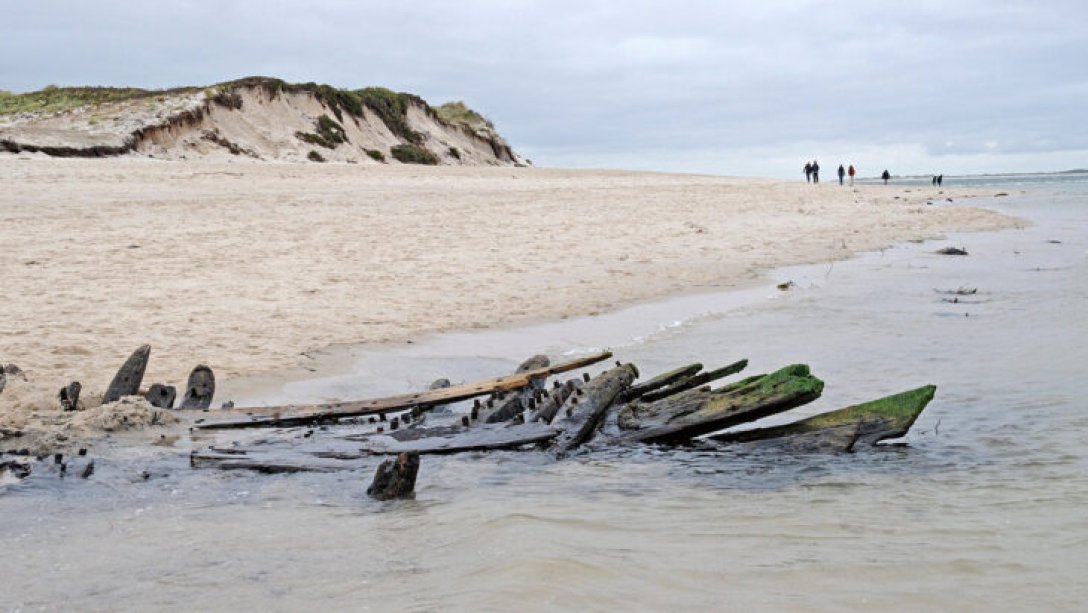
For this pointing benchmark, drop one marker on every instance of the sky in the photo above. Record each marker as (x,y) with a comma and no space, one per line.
(728,88)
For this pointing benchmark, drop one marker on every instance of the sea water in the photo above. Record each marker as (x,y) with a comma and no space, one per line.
(984,507)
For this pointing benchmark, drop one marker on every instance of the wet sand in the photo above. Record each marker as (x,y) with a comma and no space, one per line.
(248,267)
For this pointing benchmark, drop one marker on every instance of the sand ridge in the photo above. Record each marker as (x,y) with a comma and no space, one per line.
(246,266)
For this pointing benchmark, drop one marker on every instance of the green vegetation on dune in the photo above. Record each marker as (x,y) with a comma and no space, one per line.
(411,154)
(458,114)
(392,108)
(53,99)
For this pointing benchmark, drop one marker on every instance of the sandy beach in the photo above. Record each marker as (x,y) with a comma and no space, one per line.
(247,267)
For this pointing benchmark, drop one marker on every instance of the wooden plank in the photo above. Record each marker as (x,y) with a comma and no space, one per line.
(874,421)
(479,438)
(582,412)
(679,418)
(297,415)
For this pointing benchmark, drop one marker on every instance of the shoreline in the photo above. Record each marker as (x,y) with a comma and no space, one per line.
(671,245)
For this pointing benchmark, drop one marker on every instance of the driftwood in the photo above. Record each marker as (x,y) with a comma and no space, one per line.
(875,421)
(69,396)
(283,416)
(200,388)
(697,412)
(583,410)
(395,478)
(128,379)
(161,396)
(696,380)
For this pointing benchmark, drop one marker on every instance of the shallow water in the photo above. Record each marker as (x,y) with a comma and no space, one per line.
(983,508)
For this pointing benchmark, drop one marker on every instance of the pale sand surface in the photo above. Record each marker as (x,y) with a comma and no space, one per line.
(245,266)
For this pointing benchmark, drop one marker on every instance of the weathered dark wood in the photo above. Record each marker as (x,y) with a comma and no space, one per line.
(69,396)
(505,408)
(200,389)
(161,396)
(695,381)
(269,466)
(283,416)
(582,412)
(668,378)
(549,407)
(696,412)
(128,379)
(874,421)
(455,439)
(395,479)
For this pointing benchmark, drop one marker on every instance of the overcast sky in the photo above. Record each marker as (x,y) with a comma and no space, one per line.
(734,88)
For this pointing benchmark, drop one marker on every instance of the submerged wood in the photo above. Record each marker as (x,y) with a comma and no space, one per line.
(200,388)
(281,416)
(874,421)
(695,381)
(395,478)
(128,379)
(454,439)
(583,410)
(266,465)
(697,412)
(668,378)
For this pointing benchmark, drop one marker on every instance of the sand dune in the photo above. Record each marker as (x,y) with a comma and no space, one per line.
(245,266)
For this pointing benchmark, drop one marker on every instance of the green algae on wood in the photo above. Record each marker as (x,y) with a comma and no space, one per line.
(875,421)
(698,412)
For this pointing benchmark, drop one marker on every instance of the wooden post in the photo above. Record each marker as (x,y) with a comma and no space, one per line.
(395,478)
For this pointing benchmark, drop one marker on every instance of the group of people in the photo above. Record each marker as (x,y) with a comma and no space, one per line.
(938,179)
(812,174)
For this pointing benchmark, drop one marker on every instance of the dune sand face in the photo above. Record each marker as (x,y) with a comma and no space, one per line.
(245,266)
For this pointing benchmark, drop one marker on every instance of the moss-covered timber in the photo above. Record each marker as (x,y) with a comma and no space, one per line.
(874,421)
(679,418)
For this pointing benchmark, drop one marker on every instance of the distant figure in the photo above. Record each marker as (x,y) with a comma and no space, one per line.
(934,179)
(808,172)
(886,175)
(815,171)
(940,179)
(842,173)
(851,172)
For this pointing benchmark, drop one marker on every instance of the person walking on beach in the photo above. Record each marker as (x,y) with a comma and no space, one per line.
(808,172)
(850,171)
(934,180)
(842,173)
(885,176)
(940,179)
(815,171)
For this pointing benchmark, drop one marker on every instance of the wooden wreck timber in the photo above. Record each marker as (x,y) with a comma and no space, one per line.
(696,412)
(572,414)
(287,416)
(867,423)
(582,412)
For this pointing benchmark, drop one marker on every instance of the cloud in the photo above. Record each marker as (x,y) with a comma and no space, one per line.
(636,83)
